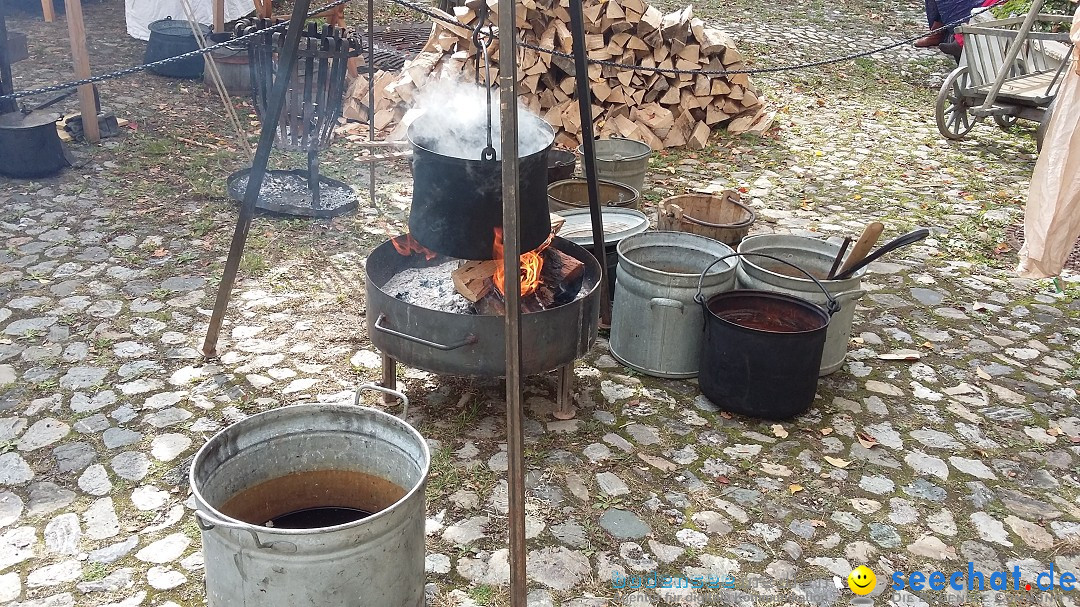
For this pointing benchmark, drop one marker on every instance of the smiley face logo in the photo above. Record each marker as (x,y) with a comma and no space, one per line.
(861,580)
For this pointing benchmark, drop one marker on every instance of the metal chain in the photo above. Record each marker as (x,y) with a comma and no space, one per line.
(439,17)
(665,70)
(138,68)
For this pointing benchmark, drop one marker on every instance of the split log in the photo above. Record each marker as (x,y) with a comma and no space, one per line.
(473,279)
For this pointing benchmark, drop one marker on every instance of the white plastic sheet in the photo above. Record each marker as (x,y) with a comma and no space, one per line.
(141,13)
(1052,217)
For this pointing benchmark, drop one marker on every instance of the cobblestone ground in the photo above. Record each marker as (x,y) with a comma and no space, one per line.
(950,437)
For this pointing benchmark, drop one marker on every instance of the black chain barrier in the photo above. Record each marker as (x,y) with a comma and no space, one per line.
(664,70)
(554,52)
(139,68)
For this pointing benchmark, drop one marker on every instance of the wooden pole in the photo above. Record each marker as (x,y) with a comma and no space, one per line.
(219,16)
(81,59)
(47,11)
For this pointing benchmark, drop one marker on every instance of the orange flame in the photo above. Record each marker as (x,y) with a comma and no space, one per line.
(531,265)
(406,245)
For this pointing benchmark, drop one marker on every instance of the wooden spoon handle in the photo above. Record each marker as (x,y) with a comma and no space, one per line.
(866,242)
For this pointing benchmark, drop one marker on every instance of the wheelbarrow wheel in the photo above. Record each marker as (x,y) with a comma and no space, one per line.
(952,109)
(1005,121)
(1040,133)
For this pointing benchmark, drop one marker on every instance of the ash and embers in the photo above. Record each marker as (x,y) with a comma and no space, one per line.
(290,189)
(431,288)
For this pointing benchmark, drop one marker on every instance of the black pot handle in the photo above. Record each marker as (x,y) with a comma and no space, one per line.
(832,307)
(382,328)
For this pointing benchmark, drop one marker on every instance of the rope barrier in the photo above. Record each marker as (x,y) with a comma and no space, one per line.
(554,52)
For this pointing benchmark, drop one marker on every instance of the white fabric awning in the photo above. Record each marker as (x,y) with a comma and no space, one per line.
(141,13)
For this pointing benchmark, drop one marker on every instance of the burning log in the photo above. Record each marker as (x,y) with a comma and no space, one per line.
(475,281)
(664,110)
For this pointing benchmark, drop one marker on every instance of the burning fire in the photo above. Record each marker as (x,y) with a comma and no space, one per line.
(531,265)
(406,245)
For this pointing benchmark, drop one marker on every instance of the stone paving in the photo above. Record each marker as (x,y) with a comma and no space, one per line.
(951,436)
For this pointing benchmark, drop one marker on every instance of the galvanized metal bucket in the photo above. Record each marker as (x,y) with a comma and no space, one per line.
(816,257)
(378,560)
(655,326)
(621,160)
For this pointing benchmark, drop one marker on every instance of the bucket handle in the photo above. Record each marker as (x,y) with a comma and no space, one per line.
(373,386)
(207,522)
(722,226)
(832,307)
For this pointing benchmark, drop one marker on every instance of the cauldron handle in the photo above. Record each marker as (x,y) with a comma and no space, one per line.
(832,307)
(488,153)
(399,395)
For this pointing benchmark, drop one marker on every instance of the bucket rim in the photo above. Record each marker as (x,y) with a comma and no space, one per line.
(730,264)
(610,237)
(663,204)
(607,182)
(202,502)
(798,301)
(770,250)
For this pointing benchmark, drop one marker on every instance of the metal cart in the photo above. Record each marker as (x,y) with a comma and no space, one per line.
(1009,69)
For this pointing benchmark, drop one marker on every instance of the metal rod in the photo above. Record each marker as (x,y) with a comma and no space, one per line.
(255,178)
(389,376)
(6,86)
(1010,56)
(565,402)
(313,178)
(515,443)
(584,95)
(371,95)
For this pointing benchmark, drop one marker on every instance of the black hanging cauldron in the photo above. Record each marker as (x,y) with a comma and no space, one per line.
(457,201)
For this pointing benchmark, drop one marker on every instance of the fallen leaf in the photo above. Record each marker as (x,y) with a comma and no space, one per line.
(866,440)
(795,488)
(836,461)
(725,415)
(825,431)
(1002,247)
(928,345)
(723,480)
(1054,431)
(982,374)
(778,431)
(817,523)
(159,253)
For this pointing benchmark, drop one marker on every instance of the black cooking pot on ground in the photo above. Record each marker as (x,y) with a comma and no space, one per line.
(170,38)
(762,350)
(30,146)
(457,195)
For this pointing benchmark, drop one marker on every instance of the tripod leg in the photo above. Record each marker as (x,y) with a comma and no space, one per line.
(313,178)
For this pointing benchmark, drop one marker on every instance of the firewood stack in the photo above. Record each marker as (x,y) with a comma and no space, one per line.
(663,110)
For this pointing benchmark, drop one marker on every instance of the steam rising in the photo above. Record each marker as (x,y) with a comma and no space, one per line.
(454,122)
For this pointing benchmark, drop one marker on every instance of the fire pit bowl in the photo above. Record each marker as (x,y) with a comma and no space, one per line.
(472,344)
